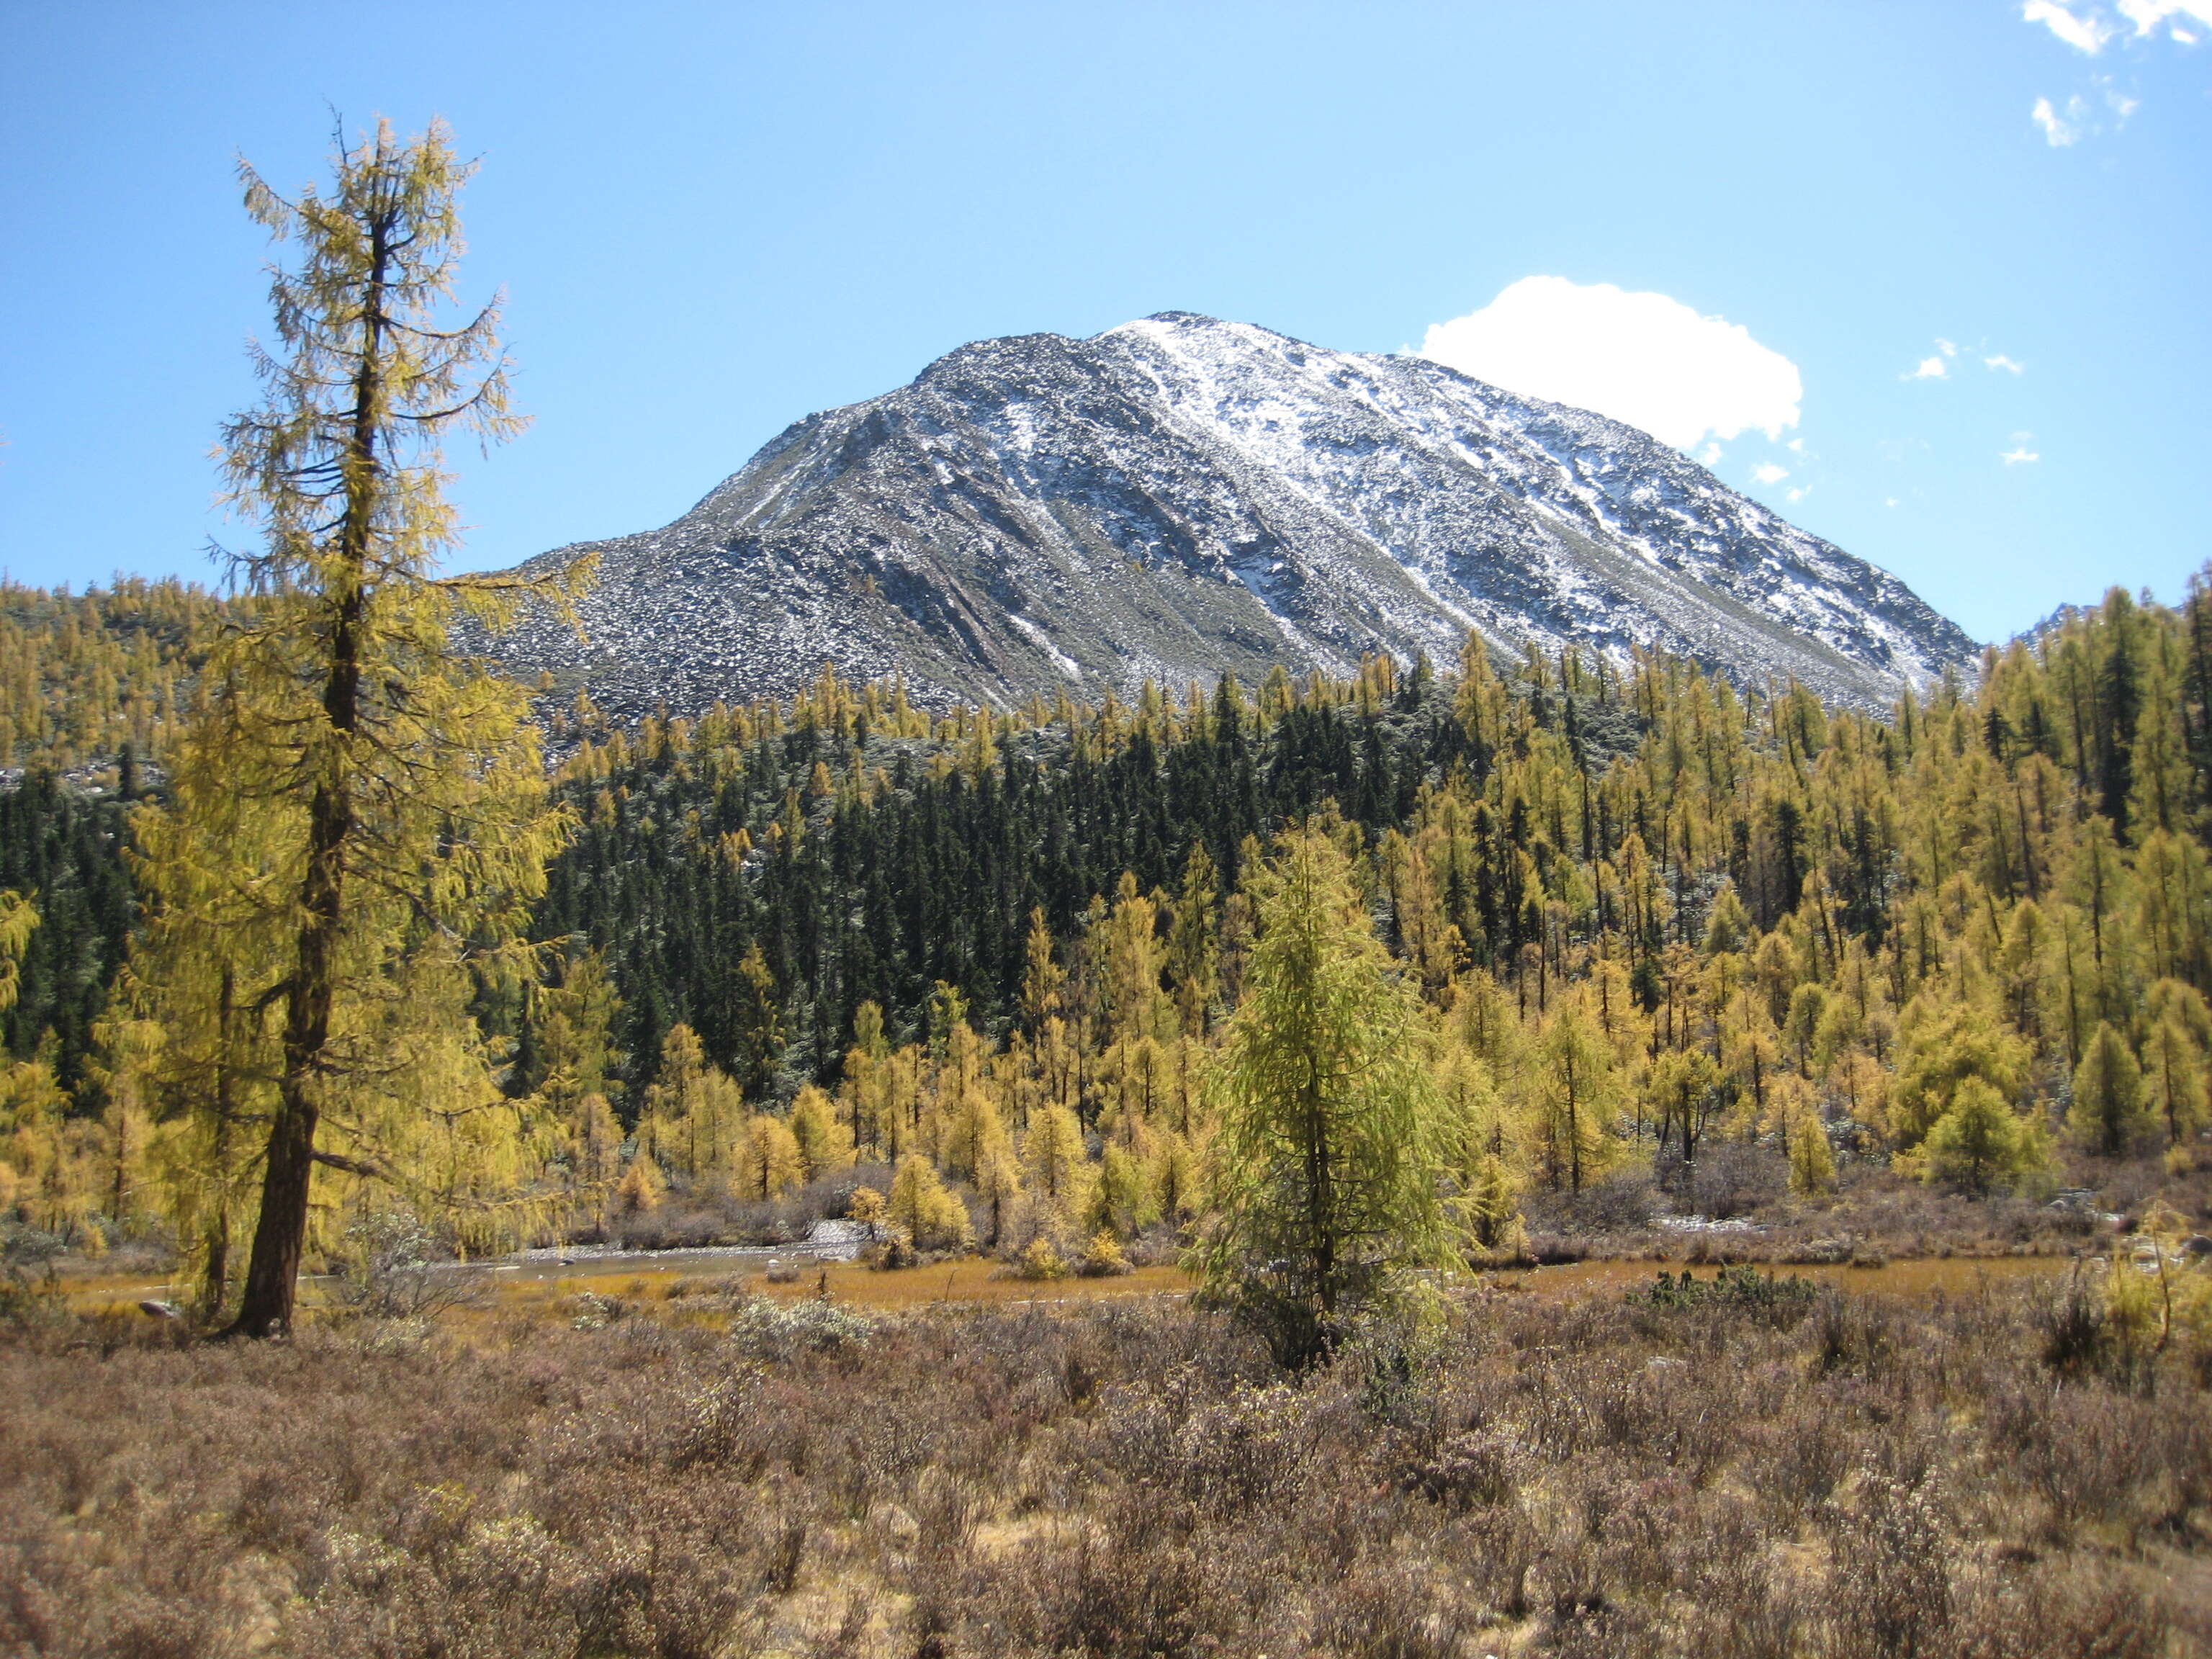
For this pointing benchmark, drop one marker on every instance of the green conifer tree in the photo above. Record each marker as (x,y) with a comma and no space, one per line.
(2174,1047)
(1327,1164)
(1980,1144)
(1575,1096)
(2108,1094)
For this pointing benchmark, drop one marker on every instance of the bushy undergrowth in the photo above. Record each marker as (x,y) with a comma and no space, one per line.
(1735,1207)
(1742,1287)
(1738,1474)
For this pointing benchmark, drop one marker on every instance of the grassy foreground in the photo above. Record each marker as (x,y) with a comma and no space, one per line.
(1976,1471)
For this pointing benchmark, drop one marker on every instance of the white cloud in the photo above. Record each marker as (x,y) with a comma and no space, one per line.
(2015,457)
(1768,473)
(1946,347)
(2086,31)
(2080,118)
(1931,368)
(1798,495)
(1643,358)
(2058,130)
(2147,14)
(1889,501)
(2010,365)
(1709,455)
(2087,25)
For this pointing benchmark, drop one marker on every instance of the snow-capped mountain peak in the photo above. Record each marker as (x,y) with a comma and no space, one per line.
(1181,495)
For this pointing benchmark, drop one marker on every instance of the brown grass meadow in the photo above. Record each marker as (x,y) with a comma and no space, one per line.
(687,1467)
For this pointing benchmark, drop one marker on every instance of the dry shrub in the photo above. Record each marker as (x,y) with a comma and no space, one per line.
(1855,1336)
(1166,1597)
(1736,1593)
(1390,1609)
(2069,1611)
(1496,1552)
(1602,1631)
(1889,1591)
(1732,1179)
(2087,1457)
(1477,1469)
(1625,1204)
(1796,1460)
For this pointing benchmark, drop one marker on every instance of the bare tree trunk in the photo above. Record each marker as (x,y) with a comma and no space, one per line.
(272,1273)
(215,1281)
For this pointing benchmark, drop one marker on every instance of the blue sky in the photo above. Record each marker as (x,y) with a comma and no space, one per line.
(711,220)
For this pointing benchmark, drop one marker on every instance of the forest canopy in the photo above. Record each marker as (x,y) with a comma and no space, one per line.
(1961,937)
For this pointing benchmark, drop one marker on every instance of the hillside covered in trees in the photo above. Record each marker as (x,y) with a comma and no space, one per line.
(1645,915)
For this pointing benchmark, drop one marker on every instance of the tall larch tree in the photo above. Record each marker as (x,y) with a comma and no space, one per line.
(399,820)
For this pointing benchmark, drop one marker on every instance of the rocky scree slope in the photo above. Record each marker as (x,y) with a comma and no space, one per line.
(1181,496)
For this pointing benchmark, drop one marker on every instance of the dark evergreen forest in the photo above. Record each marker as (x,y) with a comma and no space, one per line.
(852,897)
(67,847)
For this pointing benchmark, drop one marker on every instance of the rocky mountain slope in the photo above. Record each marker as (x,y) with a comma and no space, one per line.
(1181,496)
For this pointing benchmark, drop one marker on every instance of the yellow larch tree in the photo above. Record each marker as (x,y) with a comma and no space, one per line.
(400,822)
